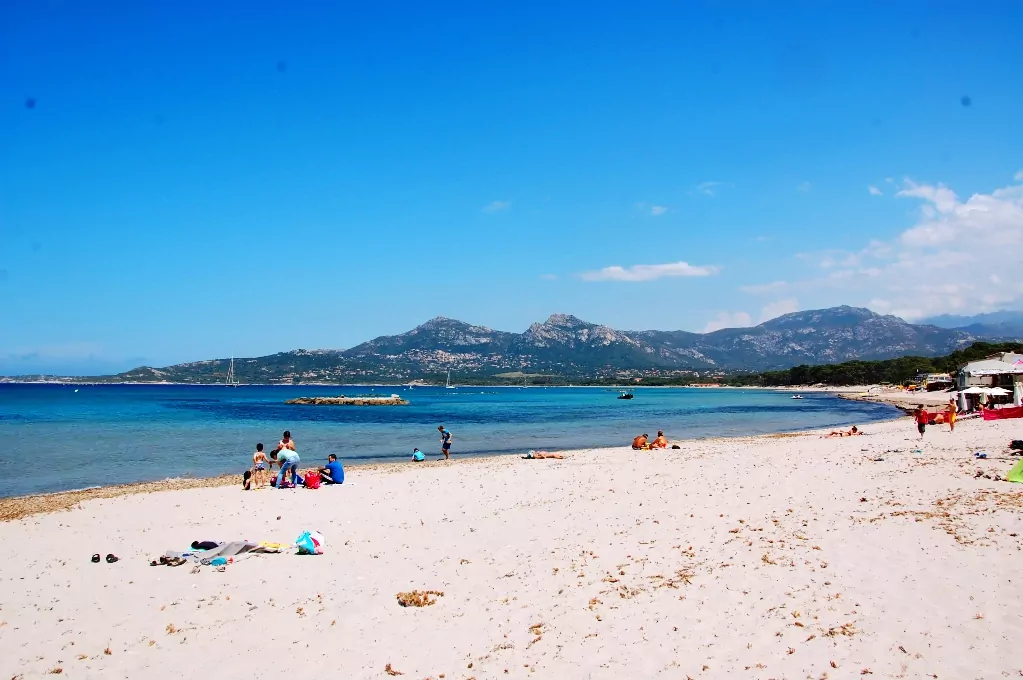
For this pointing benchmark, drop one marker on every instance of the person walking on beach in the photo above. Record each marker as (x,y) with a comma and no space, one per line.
(950,415)
(922,418)
(445,442)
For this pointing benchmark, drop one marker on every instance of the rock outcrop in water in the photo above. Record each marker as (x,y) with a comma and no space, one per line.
(393,400)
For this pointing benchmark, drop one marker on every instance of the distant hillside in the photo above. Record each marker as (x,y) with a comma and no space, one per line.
(894,371)
(569,347)
(1004,323)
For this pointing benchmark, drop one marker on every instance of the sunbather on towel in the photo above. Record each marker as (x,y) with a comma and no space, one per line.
(540,455)
(842,433)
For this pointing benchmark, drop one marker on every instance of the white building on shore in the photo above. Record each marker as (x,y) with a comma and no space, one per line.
(1004,370)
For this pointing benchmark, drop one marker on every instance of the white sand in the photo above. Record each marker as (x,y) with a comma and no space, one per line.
(751,558)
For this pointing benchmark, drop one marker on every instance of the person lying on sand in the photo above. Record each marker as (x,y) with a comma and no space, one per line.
(661,442)
(540,455)
(842,433)
(640,443)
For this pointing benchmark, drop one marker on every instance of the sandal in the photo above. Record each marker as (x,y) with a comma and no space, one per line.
(111,558)
(95,558)
(175,561)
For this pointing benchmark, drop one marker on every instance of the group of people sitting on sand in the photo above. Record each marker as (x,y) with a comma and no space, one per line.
(643,443)
(286,458)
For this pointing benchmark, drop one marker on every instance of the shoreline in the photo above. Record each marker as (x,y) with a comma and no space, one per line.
(17,507)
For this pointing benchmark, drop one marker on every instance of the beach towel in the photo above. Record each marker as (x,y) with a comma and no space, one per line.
(1016,473)
(231,549)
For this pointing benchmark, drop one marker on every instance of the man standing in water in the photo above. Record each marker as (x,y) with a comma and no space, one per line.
(445,442)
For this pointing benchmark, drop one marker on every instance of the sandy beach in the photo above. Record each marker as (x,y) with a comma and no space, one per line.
(771,557)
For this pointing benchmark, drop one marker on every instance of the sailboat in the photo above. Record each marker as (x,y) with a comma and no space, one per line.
(448,384)
(231,379)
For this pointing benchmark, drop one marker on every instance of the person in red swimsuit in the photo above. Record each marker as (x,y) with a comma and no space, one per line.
(922,418)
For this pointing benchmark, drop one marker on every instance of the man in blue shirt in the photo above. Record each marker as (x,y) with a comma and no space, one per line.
(332,472)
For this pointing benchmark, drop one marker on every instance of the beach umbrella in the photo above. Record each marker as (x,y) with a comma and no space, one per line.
(975,390)
(998,392)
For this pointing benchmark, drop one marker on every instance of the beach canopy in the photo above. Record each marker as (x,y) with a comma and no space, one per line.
(975,390)
(991,367)
(998,392)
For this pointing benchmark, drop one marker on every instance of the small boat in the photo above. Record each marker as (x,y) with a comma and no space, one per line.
(796,396)
(626,395)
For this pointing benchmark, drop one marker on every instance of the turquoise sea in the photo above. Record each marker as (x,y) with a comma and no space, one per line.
(60,437)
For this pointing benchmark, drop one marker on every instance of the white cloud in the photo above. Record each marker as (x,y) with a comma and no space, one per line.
(763,288)
(889,180)
(496,207)
(647,272)
(874,191)
(940,264)
(803,186)
(657,210)
(727,320)
(941,197)
(1019,176)
(709,188)
(777,308)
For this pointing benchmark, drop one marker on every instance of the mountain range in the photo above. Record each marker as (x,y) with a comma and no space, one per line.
(569,347)
(1005,323)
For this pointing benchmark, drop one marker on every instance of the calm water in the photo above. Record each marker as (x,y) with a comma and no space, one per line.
(59,437)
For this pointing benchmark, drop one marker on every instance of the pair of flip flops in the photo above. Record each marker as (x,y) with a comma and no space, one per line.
(111,558)
(165,561)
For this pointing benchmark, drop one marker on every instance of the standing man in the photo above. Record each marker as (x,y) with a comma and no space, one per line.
(445,442)
(922,418)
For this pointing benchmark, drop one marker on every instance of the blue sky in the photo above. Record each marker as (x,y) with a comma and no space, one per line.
(184,181)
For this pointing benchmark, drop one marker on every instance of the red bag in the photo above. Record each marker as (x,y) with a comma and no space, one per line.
(312,480)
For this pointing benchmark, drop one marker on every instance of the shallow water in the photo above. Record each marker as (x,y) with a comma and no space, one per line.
(56,438)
